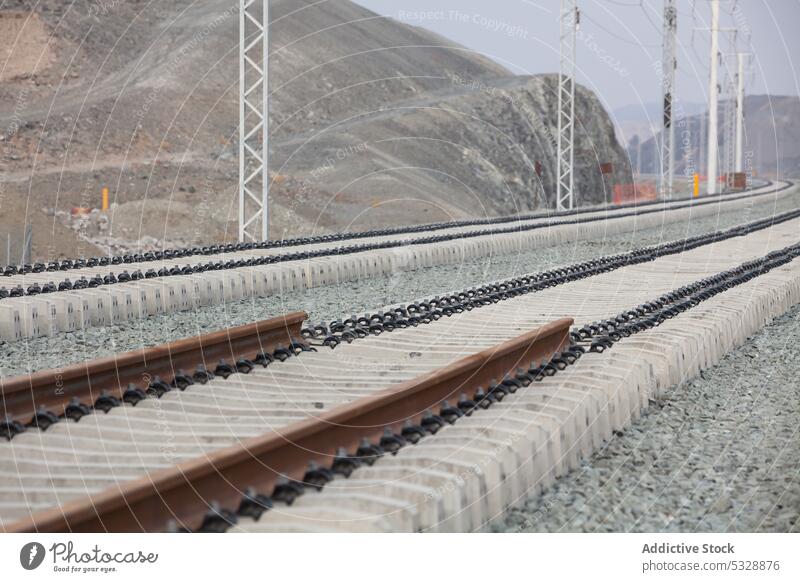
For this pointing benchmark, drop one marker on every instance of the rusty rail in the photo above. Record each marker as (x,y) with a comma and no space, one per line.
(185,493)
(54,390)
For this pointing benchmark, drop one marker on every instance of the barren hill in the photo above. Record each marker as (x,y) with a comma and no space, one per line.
(372,122)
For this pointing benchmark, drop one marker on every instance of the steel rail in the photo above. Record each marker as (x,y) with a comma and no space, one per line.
(55,390)
(252,469)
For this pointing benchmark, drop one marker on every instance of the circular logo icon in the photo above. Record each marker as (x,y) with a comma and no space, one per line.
(31,555)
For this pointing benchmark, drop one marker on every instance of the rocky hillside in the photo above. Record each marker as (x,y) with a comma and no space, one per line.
(461,153)
(373,122)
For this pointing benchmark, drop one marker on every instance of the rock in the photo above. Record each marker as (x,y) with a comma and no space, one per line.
(722,504)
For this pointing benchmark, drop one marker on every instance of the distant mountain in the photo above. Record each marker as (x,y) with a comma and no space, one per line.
(652,111)
(638,119)
(772,139)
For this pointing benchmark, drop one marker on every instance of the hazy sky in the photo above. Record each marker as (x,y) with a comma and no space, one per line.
(619,45)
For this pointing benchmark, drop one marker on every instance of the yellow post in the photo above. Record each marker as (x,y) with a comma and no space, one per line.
(696,185)
(105,198)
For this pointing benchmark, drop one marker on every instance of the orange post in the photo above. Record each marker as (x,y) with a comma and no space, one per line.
(696,185)
(105,198)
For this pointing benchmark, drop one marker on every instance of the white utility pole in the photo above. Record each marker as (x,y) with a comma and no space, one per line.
(668,65)
(711,159)
(569,21)
(728,134)
(701,143)
(740,112)
(253,120)
(729,124)
(734,76)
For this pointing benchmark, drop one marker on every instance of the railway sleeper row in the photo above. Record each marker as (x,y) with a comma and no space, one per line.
(428,310)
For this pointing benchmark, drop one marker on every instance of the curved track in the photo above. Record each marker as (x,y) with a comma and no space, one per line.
(46,469)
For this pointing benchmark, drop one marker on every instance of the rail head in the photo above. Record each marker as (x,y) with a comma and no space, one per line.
(184,493)
(54,390)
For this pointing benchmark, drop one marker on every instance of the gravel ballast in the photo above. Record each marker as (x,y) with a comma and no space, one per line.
(332,302)
(720,454)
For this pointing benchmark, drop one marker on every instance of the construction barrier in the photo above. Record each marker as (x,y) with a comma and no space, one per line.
(627,193)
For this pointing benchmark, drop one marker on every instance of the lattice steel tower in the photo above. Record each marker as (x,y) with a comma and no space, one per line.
(668,66)
(253,120)
(569,21)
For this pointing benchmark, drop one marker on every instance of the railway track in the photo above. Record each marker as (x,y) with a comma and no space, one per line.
(38,304)
(44,398)
(561,422)
(94,265)
(298,456)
